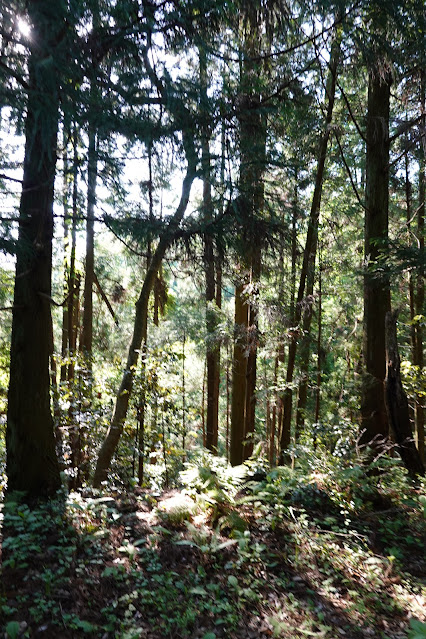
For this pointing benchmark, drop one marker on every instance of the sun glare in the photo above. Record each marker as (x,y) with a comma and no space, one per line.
(23,27)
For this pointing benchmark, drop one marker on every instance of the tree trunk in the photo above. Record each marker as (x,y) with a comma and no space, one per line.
(251,187)
(141,416)
(319,348)
(32,465)
(307,276)
(252,344)
(418,359)
(65,203)
(285,399)
(397,403)
(87,331)
(213,348)
(74,278)
(139,334)
(375,429)
(239,371)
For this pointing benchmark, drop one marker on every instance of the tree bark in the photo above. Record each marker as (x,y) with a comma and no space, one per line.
(375,429)
(213,348)
(307,276)
(397,403)
(252,345)
(239,371)
(65,203)
(251,187)
(86,344)
(140,333)
(32,465)
(418,359)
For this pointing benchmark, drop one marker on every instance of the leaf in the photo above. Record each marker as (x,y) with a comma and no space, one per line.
(209,635)
(85,626)
(185,542)
(225,544)
(198,590)
(12,629)
(417,629)
(233,581)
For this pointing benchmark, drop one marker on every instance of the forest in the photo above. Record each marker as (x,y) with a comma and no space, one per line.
(212,305)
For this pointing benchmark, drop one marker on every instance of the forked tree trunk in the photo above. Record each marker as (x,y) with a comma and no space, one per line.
(112,438)
(32,465)
(397,403)
(375,429)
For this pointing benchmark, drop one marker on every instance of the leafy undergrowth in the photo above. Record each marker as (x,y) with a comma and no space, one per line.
(297,554)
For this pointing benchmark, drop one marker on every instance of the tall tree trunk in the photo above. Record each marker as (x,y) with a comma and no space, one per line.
(86,344)
(376,287)
(285,399)
(140,332)
(252,167)
(213,348)
(307,275)
(65,204)
(75,440)
(418,360)
(32,465)
(74,279)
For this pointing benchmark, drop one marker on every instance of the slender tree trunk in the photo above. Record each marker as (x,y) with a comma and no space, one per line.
(228,403)
(239,372)
(86,345)
(285,399)
(139,333)
(375,429)
(418,359)
(251,373)
(32,465)
(183,392)
(141,417)
(307,275)
(65,204)
(411,276)
(74,279)
(158,304)
(213,348)
(397,403)
(319,348)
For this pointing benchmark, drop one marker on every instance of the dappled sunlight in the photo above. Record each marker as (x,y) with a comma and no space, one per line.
(257,565)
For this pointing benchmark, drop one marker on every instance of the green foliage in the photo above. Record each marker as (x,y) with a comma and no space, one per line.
(13,630)
(417,629)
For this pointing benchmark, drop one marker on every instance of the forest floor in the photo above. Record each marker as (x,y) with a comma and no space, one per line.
(130,565)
